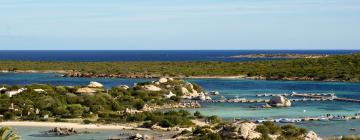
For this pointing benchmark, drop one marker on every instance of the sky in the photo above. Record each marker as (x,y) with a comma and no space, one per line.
(179,24)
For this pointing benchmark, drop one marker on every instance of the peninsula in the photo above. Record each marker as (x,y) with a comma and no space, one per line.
(286,55)
(331,68)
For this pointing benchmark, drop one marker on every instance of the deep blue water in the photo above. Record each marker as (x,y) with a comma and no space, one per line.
(150,55)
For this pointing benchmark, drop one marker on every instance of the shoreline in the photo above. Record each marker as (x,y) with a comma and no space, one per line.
(72,125)
(245,77)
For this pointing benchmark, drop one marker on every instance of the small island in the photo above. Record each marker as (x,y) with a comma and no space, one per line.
(286,55)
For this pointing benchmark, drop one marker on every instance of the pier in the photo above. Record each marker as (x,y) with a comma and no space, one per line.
(347,100)
(310,95)
(304,97)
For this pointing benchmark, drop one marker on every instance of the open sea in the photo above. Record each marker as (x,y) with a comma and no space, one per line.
(151,55)
(227,88)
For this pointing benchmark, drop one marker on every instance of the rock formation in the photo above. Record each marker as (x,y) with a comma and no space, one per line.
(279,101)
(151,88)
(241,130)
(138,136)
(311,135)
(58,131)
(163,80)
(95,85)
(85,90)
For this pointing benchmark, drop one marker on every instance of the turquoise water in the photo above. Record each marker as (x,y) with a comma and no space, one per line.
(243,89)
(35,133)
(249,88)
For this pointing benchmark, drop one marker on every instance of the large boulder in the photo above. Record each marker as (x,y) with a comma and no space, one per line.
(151,88)
(123,86)
(170,95)
(311,135)
(279,101)
(242,130)
(163,80)
(86,90)
(95,85)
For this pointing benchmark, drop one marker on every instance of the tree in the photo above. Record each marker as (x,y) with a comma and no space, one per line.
(7,133)
(197,114)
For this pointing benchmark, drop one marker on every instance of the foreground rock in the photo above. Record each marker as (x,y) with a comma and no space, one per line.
(59,131)
(138,136)
(241,130)
(93,84)
(311,135)
(279,101)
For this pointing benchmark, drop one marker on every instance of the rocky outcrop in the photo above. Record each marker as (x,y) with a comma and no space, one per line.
(138,136)
(151,88)
(129,75)
(311,135)
(241,130)
(58,131)
(163,80)
(189,92)
(86,90)
(279,101)
(123,86)
(93,84)
(170,95)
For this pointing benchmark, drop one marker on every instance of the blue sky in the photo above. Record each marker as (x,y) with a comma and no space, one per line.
(179,24)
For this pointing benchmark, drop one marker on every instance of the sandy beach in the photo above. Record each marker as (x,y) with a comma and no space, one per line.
(69,125)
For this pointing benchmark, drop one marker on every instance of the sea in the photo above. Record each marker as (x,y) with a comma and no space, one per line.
(229,88)
(149,55)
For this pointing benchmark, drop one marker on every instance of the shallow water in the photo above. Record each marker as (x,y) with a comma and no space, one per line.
(243,89)
(35,133)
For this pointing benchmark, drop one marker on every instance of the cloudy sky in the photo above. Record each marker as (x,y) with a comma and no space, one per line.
(179,24)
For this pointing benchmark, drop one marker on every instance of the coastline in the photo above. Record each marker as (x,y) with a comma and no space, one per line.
(65,73)
(72,125)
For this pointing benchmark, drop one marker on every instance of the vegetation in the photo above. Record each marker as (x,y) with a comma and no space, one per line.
(341,68)
(351,137)
(218,132)
(105,106)
(7,133)
(286,132)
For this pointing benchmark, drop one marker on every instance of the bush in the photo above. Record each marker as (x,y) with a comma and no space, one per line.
(273,128)
(166,123)
(9,116)
(197,114)
(86,121)
(262,129)
(139,105)
(213,119)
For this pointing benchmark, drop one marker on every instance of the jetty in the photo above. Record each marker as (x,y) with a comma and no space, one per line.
(294,94)
(297,97)
(347,100)
(327,117)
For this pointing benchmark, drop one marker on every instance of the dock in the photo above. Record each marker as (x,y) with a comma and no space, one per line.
(304,97)
(347,100)
(311,95)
